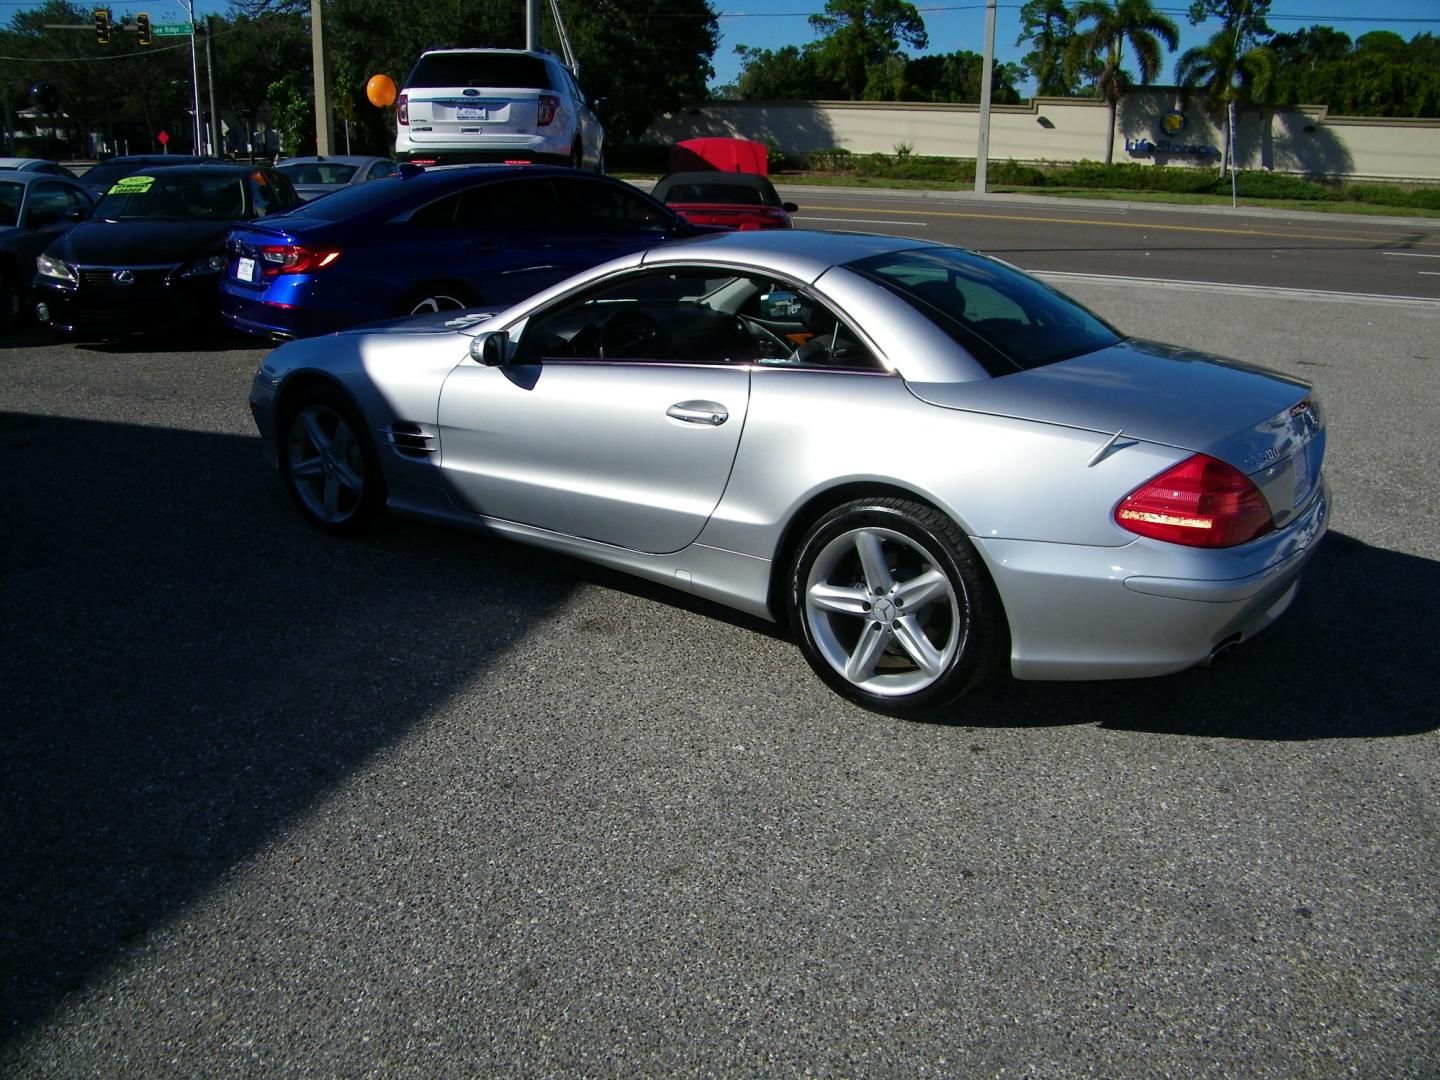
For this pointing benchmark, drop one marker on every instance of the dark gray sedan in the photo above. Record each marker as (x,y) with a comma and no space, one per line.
(36,209)
(316,176)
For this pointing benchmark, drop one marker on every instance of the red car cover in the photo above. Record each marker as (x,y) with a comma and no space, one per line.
(726,155)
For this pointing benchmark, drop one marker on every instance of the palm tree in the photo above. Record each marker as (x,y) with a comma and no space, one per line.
(1225,75)
(1103,43)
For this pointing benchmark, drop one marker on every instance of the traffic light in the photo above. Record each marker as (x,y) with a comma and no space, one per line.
(102,26)
(142,28)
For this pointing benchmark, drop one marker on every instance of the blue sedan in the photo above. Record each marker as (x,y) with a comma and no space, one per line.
(433,241)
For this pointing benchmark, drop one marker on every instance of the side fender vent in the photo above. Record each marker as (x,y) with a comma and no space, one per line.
(409,439)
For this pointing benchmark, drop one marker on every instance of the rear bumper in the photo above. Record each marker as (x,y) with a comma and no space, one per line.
(496,156)
(1148,608)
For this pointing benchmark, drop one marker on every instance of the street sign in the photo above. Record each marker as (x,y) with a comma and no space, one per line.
(179,29)
(163,138)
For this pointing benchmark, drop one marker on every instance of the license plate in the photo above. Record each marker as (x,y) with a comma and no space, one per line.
(467,113)
(245,270)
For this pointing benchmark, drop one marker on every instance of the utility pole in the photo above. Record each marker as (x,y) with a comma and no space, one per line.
(210,74)
(532,25)
(982,152)
(195,76)
(322,81)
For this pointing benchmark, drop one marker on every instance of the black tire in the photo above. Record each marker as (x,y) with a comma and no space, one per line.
(437,296)
(847,608)
(341,489)
(577,156)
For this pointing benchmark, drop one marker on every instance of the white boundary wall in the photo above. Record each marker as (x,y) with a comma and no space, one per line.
(1303,139)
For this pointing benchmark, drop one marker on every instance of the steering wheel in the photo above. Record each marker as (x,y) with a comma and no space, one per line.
(772,346)
(629,334)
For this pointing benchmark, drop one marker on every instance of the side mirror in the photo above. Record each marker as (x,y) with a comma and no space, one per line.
(779,305)
(76,214)
(490,349)
(790,208)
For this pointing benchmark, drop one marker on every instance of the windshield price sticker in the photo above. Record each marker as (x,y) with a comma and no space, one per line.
(133,185)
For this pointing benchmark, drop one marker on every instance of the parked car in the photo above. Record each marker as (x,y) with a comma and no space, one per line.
(99,178)
(39,165)
(431,241)
(508,105)
(732,200)
(36,209)
(151,253)
(923,459)
(316,176)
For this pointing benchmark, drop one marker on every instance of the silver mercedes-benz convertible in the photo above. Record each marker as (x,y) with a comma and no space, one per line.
(924,459)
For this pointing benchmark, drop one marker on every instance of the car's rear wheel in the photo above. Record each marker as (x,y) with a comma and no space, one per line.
(328,462)
(433,298)
(893,607)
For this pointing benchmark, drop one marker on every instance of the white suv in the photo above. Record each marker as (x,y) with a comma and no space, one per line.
(464,105)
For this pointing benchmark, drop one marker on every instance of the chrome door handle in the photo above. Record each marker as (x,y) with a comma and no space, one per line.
(699,412)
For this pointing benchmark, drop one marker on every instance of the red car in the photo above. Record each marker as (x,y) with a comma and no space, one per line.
(735,200)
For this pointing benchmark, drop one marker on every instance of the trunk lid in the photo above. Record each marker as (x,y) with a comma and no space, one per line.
(443,113)
(1265,424)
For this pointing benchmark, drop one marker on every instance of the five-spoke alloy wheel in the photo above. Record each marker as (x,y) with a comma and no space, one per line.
(329,463)
(893,607)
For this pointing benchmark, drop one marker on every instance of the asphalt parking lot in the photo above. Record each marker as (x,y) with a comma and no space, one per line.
(428,805)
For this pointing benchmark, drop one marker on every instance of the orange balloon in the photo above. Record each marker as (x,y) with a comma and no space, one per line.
(380,90)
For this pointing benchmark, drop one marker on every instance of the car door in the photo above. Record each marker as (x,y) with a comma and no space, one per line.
(44,217)
(599,428)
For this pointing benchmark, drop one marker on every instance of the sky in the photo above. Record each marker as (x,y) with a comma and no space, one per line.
(960,24)
(951,24)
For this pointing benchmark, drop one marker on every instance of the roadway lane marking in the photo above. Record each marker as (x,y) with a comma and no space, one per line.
(1212,230)
(1230,287)
(1411,255)
(865,221)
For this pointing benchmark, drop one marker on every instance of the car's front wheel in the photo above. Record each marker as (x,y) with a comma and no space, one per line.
(892,606)
(329,464)
(9,298)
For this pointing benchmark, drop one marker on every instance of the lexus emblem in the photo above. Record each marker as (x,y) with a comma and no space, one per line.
(123,277)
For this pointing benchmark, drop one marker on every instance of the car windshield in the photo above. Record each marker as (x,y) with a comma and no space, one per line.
(10,196)
(318,172)
(1006,319)
(440,70)
(736,194)
(174,197)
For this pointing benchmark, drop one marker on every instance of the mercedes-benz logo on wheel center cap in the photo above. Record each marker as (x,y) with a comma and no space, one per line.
(123,277)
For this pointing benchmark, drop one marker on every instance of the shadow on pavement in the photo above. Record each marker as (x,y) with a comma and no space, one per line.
(1352,658)
(187,667)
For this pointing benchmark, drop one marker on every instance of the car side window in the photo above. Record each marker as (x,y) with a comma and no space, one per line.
(508,205)
(266,193)
(382,169)
(48,204)
(693,315)
(438,214)
(79,200)
(599,206)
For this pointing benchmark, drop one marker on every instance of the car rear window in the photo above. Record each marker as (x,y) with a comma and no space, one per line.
(737,194)
(349,201)
(1007,320)
(439,70)
(319,172)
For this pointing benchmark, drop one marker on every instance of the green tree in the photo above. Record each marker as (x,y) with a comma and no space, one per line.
(1103,30)
(253,52)
(1048,25)
(956,77)
(784,74)
(1225,79)
(1243,20)
(292,114)
(859,35)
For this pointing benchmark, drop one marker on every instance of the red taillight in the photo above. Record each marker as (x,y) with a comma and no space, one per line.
(1201,503)
(402,110)
(549,105)
(294,259)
